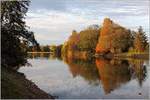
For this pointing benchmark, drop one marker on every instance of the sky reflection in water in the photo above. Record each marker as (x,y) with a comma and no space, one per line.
(72,78)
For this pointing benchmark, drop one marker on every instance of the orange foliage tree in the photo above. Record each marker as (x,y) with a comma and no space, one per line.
(113,38)
(140,41)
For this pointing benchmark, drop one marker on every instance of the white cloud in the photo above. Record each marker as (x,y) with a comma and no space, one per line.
(56,22)
(55,25)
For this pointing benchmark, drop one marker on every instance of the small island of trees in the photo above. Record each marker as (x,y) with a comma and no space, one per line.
(94,41)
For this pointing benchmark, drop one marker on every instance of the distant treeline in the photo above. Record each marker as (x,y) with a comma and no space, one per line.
(109,38)
(81,44)
(55,49)
(46,48)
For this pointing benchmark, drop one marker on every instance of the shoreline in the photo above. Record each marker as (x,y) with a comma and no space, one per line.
(132,55)
(142,55)
(123,55)
(15,85)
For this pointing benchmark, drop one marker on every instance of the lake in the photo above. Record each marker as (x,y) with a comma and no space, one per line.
(93,79)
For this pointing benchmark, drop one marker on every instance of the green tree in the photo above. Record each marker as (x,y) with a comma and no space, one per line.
(14,33)
(73,40)
(85,40)
(122,41)
(46,48)
(88,38)
(53,48)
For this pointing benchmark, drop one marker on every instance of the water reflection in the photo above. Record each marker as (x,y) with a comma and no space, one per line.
(113,73)
(85,68)
(109,74)
(51,56)
(138,69)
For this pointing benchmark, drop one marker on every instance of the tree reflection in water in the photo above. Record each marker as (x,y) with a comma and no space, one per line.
(85,68)
(138,69)
(111,74)
(51,56)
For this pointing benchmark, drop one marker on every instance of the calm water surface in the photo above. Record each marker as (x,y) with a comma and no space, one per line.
(97,78)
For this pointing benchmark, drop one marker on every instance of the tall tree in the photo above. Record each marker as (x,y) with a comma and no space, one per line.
(14,34)
(89,38)
(140,41)
(85,40)
(122,41)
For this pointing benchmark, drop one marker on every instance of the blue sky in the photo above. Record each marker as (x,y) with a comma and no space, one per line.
(53,20)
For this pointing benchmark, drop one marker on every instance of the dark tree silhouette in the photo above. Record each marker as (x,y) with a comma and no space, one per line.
(15,37)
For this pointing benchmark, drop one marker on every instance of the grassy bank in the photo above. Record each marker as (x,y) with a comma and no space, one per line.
(14,85)
(136,55)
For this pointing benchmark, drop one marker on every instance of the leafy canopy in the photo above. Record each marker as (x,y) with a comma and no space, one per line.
(14,32)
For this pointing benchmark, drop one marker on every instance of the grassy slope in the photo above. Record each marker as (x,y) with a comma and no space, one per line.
(14,85)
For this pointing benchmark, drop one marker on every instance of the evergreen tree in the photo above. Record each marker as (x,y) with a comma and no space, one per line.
(14,34)
(140,41)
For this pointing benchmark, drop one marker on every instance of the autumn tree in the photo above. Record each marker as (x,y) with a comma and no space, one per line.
(140,41)
(122,42)
(114,38)
(72,41)
(88,38)
(85,40)
(15,36)
(74,32)
(64,49)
